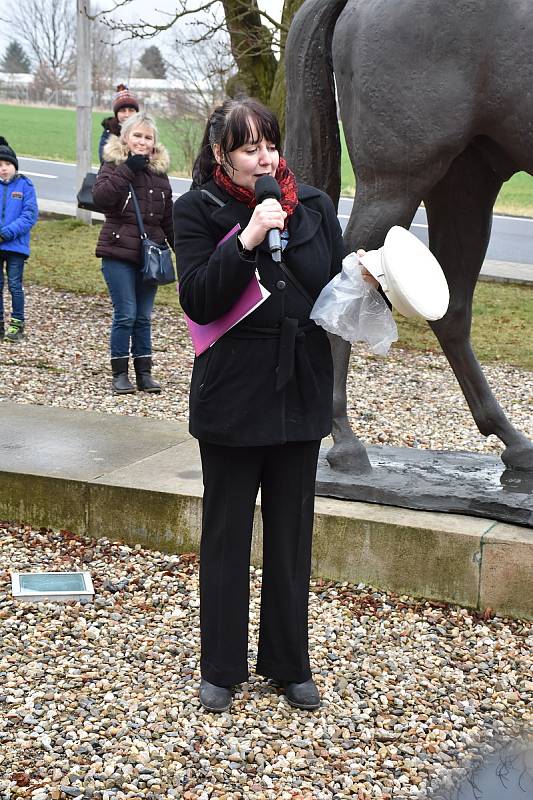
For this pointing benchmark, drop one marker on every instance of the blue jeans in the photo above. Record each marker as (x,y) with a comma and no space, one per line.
(133,302)
(15,268)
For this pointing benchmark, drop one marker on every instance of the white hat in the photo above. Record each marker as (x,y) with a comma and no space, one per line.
(410,275)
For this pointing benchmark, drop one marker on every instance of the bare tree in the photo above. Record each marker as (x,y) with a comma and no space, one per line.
(256,40)
(202,70)
(203,67)
(48,31)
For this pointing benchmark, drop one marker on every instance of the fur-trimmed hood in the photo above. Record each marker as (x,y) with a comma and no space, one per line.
(116,152)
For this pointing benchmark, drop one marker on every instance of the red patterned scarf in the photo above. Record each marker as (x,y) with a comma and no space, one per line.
(284,176)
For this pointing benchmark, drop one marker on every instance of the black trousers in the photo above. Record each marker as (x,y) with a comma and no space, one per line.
(232,476)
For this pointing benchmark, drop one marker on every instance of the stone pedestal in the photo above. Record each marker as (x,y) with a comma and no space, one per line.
(435,480)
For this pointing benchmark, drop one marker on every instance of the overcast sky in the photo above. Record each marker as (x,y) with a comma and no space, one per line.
(138,9)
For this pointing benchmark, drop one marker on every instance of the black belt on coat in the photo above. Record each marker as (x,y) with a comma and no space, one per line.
(291,354)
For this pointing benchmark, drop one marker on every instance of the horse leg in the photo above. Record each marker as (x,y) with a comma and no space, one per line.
(379,204)
(348,453)
(459,210)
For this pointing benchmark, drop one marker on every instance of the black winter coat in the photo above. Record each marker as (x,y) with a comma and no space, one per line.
(120,236)
(111,125)
(238,394)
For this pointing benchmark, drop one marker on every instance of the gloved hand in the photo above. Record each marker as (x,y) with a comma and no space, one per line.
(5,235)
(136,163)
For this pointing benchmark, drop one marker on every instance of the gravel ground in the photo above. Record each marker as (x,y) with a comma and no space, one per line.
(100,700)
(404,399)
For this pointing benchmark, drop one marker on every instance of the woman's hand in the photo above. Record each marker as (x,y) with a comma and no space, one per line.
(267,215)
(367,276)
(136,162)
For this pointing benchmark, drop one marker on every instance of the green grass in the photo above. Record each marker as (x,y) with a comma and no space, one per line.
(516,196)
(51,133)
(63,258)
(502,321)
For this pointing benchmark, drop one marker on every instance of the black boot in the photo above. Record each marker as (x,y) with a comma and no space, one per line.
(143,374)
(302,695)
(121,383)
(214,698)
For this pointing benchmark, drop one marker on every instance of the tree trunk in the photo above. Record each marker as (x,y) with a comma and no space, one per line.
(276,100)
(251,46)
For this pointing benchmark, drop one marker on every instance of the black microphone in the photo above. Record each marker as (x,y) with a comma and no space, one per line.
(267,187)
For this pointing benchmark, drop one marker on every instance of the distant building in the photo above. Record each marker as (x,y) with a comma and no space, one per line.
(154,93)
(15,86)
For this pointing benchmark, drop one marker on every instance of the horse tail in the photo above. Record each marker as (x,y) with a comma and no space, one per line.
(312,142)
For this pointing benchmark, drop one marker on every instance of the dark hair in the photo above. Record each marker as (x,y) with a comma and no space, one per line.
(229,127)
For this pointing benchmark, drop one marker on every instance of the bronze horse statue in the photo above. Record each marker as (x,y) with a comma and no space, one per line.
(436,102)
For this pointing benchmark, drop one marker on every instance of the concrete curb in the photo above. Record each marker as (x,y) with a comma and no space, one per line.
(151,495)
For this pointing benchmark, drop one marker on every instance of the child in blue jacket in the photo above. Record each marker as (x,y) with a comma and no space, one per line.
(18,215)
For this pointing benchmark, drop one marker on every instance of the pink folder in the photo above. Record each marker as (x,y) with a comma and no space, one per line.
(203,336)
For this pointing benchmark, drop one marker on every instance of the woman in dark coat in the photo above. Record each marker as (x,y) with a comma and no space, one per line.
(136,159)
(260,398)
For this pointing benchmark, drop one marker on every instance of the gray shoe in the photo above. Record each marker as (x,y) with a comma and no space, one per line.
(214,698)
(303,695)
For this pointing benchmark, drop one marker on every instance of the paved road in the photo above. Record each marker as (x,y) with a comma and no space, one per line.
(511,240)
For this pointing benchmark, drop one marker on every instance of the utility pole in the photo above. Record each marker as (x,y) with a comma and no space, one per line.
(83,98)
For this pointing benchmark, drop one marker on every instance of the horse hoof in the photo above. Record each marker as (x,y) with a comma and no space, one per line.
(519,456)
(349,456)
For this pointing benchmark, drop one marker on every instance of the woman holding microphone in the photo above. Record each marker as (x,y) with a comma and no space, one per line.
(260,397)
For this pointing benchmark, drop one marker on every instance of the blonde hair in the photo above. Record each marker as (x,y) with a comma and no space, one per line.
(136,121)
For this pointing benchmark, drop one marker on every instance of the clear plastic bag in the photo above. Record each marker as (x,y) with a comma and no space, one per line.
(351,308)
